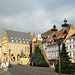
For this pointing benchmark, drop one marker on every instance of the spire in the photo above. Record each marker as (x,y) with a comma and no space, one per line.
(54,28)
(65,23)
(34,35)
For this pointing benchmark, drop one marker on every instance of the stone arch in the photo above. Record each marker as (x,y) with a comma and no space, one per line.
(14,58)
(12,55)
(29,55)
(18,56)
(24,56)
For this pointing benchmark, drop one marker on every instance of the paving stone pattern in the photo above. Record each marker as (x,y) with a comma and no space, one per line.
(29,70)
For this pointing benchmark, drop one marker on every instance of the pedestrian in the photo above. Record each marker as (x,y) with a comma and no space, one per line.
(0,62)
(32,63)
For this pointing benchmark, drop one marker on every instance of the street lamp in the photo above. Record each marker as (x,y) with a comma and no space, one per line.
(60,40)
(59,43)
(9,57)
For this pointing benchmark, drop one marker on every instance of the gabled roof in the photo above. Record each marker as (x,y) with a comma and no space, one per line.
(59,34)
(48,34)
(15,34)
(70,33)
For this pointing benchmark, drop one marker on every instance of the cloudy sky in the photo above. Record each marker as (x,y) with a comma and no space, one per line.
(36,16)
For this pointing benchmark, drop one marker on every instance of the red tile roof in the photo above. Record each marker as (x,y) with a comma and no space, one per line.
(59,34)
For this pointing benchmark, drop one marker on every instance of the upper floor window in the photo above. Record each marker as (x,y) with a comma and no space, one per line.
(16,41)
(73,46)
(10,47)
(22,47)
(73,39)
(19,48)
(25,49)
(74,54)
(29,40)
(28,49)
(70,40)
(70,46)
(26,39)
(66,47)
(14,48)
(23,39)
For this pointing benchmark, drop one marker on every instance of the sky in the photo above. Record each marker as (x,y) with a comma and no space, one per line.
(35,16)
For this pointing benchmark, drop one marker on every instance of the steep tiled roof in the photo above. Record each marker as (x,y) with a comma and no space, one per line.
(48,34)
(71,32)
(59,34)
(20,37)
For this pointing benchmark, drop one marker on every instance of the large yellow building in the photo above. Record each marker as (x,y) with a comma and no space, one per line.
(13,42)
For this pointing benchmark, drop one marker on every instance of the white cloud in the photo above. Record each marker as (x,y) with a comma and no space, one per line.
(35,16)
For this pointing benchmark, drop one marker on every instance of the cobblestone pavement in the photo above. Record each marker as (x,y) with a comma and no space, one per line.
(28,70)
(4,72)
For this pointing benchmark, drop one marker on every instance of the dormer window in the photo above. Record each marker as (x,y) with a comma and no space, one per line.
(16,41)
(12,40)
(20,41)
(27,42)
(23,41)
(11,37)
(48,36)
(19,38)
(52,41)
(15,38)
(26,39)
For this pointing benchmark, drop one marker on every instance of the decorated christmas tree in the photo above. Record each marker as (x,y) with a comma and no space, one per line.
(39,57)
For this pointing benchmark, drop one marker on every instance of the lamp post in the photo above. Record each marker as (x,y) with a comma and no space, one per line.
(9,57)
(59,43)
(60,40)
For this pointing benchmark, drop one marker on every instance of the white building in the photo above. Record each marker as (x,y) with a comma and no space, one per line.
(70,44)
(52,46)
(45,38)
(52,52)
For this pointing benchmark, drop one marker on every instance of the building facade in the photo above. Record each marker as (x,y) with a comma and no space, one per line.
(13,42)
(45,38)
(70,44)
(69,40)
